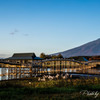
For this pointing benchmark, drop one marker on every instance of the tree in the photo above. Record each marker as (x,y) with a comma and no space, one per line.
(54,56)
(42,55)
(59,56)
(48,56)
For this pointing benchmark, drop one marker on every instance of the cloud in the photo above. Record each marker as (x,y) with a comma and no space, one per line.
(14,32)
(26,34)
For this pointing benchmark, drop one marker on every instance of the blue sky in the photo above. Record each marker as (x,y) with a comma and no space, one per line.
(48,26)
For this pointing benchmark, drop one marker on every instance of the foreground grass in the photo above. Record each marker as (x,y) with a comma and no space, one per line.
(49,90)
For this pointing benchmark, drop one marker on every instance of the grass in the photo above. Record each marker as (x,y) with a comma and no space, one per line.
(50,90)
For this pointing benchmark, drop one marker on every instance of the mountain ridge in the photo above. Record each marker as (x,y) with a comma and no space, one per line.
(91,48)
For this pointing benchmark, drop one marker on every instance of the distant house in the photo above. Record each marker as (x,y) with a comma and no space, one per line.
(23,58)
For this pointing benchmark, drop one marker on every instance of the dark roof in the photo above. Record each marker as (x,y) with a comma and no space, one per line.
(9,63)
(19,58)
(38,58)
(25,56)
(80,58)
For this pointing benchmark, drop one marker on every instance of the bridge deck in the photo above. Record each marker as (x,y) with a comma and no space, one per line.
(41,67)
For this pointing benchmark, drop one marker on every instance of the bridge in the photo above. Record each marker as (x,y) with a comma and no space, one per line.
(48,66)
(65,65)
(15,70)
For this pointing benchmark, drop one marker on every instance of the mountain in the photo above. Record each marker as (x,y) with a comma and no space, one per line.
(88,49)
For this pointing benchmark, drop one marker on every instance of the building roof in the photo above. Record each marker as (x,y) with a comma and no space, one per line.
(20,58)
(24,56)
(9,63)
(80,58)
(38,58)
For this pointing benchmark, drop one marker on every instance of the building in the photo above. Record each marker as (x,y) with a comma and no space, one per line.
(23,58)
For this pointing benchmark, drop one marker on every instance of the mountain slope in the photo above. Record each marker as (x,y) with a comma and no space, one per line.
(88,49)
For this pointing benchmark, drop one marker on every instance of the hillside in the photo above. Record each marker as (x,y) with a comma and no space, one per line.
(88,49)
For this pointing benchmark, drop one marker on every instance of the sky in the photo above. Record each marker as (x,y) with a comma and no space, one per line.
(48,26)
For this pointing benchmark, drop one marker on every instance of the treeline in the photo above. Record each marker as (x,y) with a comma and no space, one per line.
(44,56)
(95,58)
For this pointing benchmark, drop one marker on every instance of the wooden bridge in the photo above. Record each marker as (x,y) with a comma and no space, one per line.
(49,66)
(14,70)
(65,65)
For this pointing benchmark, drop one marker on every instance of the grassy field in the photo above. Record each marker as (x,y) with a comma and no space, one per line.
(31,89)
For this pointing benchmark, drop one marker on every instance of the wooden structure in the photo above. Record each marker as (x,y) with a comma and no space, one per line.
(19,65)
(23,58)
(49,66)
(64,65)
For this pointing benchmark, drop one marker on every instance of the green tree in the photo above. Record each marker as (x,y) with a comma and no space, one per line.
(48,56)
(42,55)
(59,56)
(54,56)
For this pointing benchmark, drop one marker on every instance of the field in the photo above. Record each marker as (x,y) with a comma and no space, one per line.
(70,89)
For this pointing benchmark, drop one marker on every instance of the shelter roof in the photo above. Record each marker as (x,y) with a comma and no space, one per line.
(24,56)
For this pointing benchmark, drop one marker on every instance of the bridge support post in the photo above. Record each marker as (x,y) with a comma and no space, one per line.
(8,73)
(30,71)
(46,69)
(19,72)
(54,66)
(60,68)
(11,72)
(16,72)
(65,66)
